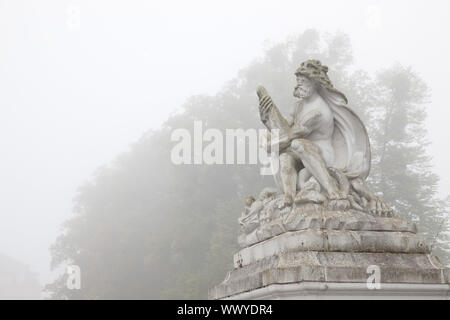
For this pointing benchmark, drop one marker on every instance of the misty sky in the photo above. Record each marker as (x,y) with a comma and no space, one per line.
(82,80)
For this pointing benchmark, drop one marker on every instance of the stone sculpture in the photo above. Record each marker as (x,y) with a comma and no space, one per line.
(324,145)
(324,224)
(324,156)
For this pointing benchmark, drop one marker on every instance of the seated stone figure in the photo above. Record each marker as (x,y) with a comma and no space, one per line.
(324,149)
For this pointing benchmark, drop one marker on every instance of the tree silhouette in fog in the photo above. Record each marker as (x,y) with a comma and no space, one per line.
(17,281)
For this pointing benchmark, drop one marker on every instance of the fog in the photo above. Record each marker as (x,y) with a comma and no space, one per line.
(82,80)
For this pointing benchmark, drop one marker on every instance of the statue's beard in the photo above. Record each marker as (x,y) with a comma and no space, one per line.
(302,92)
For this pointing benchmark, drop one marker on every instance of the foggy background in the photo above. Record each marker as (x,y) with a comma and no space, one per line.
(82,80)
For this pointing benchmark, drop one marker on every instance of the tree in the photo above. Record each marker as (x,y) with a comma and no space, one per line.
(17,281)
(402,171)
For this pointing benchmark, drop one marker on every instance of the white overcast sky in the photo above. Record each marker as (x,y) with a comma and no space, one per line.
(82,80)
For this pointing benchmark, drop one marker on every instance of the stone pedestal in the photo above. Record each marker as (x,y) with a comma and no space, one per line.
(331,255)
(346,291)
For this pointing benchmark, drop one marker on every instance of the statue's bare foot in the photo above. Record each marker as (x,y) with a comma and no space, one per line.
(338,201)
(309,196)
(339,204)
(287,201)
(379,208)
(337,195)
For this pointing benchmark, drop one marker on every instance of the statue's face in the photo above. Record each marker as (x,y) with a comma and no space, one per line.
(305,87)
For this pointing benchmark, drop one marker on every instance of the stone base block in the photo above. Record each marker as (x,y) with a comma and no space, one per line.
(350,269)
(346,291)
(333,241)
(336,259)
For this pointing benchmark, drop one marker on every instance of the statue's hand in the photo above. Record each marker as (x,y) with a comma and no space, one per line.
(264,105)
(282,143)
(270,144)
(261,92)
(298,132)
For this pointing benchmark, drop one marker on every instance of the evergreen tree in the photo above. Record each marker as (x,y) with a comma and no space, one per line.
(401,169)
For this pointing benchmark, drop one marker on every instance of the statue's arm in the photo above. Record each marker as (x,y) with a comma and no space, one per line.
(282,144)
(308,124)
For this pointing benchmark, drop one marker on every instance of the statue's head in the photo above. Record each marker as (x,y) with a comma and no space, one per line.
(312,76)
(305,88)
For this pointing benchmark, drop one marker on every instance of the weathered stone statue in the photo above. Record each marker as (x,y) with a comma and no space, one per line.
(324,225)
(323,142)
